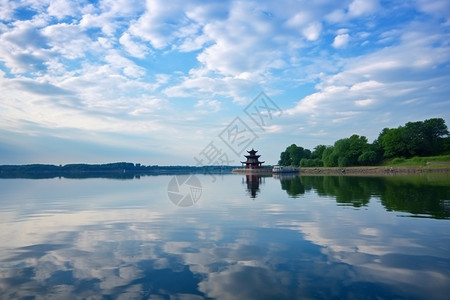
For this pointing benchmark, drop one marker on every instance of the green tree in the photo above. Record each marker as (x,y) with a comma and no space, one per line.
(296,154)
(329,158)
(430,137)
(392,142)
(446,145)
(368,158)
(311,162)
(347,151)
(318,151)
(435,131)
(414,139)
(293,155)
(285,159)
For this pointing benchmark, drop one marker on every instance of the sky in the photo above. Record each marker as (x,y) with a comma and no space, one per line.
(197,82)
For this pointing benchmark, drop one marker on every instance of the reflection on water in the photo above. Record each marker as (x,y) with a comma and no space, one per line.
(419,195)
(253,181)
(304,237)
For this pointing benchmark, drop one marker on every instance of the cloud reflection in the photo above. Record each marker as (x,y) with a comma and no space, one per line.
(284,249)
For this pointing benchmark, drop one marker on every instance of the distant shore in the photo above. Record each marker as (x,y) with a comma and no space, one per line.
(129,170)
(377,170)
(120,170)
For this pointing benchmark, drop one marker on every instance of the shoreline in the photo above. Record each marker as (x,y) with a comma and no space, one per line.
(374,170)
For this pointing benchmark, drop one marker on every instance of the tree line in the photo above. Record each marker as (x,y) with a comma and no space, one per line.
(421,138)
(122,170)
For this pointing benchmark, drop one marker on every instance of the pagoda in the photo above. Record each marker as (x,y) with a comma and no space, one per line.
(252,160)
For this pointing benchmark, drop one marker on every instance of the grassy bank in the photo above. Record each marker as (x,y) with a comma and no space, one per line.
(440,160)
(414,165)
(377,170)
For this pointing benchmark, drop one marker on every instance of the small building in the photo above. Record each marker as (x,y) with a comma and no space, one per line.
(252,160)
(285,169)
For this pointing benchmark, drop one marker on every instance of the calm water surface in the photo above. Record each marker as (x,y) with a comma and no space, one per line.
(244,238)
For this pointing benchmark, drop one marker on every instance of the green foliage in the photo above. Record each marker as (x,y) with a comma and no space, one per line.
(311,162)
(285,159)
(329,158)
(293,155)
(418,161)
(414,139)
(426,138)
(398,160)
(446,145)
(318,151)
(391,141)
(368,158)
(346,152)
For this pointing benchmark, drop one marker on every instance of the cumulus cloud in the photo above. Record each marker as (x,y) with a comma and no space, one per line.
(134,48)
(7,9)
(341,40)
(362,7)
(61,8)
(380,81)
(162,23)
(24,48)
(103,53)
(67,41)
(128,68)
(312,31)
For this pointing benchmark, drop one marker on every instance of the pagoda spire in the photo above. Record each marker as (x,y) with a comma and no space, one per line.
(252,161)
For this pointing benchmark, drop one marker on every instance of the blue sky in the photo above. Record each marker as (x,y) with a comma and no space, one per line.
(163,82)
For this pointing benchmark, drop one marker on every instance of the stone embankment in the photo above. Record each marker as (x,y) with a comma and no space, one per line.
(375,170)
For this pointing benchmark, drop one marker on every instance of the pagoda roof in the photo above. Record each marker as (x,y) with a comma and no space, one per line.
(252,158)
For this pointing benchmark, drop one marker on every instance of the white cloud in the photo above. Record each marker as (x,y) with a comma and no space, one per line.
(437,8)
(128,67)
(193,43)
(145,105)
(209,105)
(235,38)
(58,108)
(381,81)
(365,102)
(61,8)
(273,129)
(101,55)
(366,86)
(320,101)
(7,9)
(162,23)
(363,7)
(23,48)
(134,48)
(312,31)
(67,40)
(299,19)
(341,41)
(110,16)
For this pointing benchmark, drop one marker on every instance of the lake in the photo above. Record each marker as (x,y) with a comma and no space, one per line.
(226,237)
